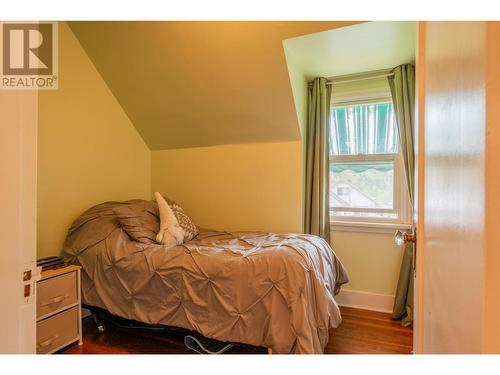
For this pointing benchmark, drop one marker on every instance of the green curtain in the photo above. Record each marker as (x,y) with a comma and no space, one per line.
(317,205)
(402,85)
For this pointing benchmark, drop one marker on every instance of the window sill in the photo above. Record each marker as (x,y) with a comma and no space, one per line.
(353,226)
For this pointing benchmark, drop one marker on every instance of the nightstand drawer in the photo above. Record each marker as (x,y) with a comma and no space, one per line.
(57,331)
(56,293)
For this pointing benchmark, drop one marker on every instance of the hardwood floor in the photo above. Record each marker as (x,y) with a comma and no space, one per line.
(361,332)
(369,332)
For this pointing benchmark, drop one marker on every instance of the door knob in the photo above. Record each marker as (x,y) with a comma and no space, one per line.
(402,238)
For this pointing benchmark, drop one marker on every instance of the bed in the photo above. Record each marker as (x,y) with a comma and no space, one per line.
(263,289)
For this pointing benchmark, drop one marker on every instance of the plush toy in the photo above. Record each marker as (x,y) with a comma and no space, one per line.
(170,234)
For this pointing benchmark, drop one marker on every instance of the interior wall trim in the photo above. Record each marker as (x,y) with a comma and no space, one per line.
(365,300)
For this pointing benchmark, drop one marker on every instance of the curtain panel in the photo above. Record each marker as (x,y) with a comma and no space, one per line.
(317,189)
(402,85)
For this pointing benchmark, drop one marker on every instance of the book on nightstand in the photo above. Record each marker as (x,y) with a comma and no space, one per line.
(50,262)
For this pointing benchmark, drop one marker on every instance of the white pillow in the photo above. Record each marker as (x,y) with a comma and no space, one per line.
(171,233)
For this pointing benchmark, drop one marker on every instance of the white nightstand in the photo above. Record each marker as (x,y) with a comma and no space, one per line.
(58,309)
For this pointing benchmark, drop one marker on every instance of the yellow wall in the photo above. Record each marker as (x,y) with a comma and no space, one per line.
(372,260)
(298,84)
(88,150)
(259,187)
(234,187)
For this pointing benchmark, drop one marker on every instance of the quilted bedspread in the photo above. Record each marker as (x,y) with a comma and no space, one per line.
(270,290)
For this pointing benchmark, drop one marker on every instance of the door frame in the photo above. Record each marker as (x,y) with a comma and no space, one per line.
(418,306)
(18,168)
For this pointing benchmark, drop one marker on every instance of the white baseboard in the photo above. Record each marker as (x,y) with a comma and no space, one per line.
(365,300)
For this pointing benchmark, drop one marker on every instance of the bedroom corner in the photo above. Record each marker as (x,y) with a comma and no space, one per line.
(89,151)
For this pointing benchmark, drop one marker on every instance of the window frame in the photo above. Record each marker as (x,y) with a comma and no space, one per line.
(401,204)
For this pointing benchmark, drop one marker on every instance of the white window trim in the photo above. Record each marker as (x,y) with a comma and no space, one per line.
(352,226)
(401,203)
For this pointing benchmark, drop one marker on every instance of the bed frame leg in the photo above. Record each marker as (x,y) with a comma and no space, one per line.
(100,325)
(97,319)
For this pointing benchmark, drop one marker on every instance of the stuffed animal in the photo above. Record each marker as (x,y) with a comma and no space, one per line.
(170,234)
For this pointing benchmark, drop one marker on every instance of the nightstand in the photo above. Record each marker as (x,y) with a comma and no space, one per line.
(58,309)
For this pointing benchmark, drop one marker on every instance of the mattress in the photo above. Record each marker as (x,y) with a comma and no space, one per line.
(264,289)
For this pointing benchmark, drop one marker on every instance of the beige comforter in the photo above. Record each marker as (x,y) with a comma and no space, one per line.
(270,290)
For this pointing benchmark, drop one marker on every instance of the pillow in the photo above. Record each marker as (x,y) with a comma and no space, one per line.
(170,233)
(139,221)
(190,230)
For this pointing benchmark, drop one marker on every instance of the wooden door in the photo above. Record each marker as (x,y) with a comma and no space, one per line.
(451,188)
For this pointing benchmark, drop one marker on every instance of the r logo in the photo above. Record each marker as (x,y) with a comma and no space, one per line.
(27,49)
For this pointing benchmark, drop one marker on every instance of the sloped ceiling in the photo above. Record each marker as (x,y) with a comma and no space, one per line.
(355,49)
(190,84)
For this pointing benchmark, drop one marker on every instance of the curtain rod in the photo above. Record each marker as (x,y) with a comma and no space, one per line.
(340,82)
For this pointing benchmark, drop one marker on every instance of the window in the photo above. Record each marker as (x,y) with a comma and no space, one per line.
(367,181)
